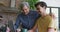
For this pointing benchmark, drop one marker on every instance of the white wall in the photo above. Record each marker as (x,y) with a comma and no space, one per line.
(54,3)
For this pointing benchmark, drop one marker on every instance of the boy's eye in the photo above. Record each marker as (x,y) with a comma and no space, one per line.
(38,9)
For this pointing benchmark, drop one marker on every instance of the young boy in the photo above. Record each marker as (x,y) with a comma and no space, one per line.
(45,23)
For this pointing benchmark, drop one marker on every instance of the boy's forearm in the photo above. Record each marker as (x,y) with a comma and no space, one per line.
(35,27)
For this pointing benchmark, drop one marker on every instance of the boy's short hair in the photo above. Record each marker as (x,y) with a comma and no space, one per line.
(41,3)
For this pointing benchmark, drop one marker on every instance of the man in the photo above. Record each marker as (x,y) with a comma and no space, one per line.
(26,18)
(44,23)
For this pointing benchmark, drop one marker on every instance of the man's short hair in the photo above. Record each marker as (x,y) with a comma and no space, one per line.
(22,4)
(41,3)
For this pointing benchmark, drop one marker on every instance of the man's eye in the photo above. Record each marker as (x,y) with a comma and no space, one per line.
(25,9)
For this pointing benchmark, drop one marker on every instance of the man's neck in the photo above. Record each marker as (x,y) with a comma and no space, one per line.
(26,13)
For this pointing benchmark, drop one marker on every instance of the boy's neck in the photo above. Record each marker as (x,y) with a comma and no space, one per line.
(44,14)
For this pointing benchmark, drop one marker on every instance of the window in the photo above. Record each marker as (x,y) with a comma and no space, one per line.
(55,12)
(48,10)
(12,3)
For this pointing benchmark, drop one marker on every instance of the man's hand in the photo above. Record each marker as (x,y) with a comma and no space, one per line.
(8,29)
(18,30)
(51,30)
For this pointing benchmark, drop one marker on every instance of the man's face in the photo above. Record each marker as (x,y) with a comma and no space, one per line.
(25,10)
(40,9)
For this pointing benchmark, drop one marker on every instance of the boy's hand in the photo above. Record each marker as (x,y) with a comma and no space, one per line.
(31,30)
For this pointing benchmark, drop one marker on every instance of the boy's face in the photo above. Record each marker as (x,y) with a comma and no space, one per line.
(40,9)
